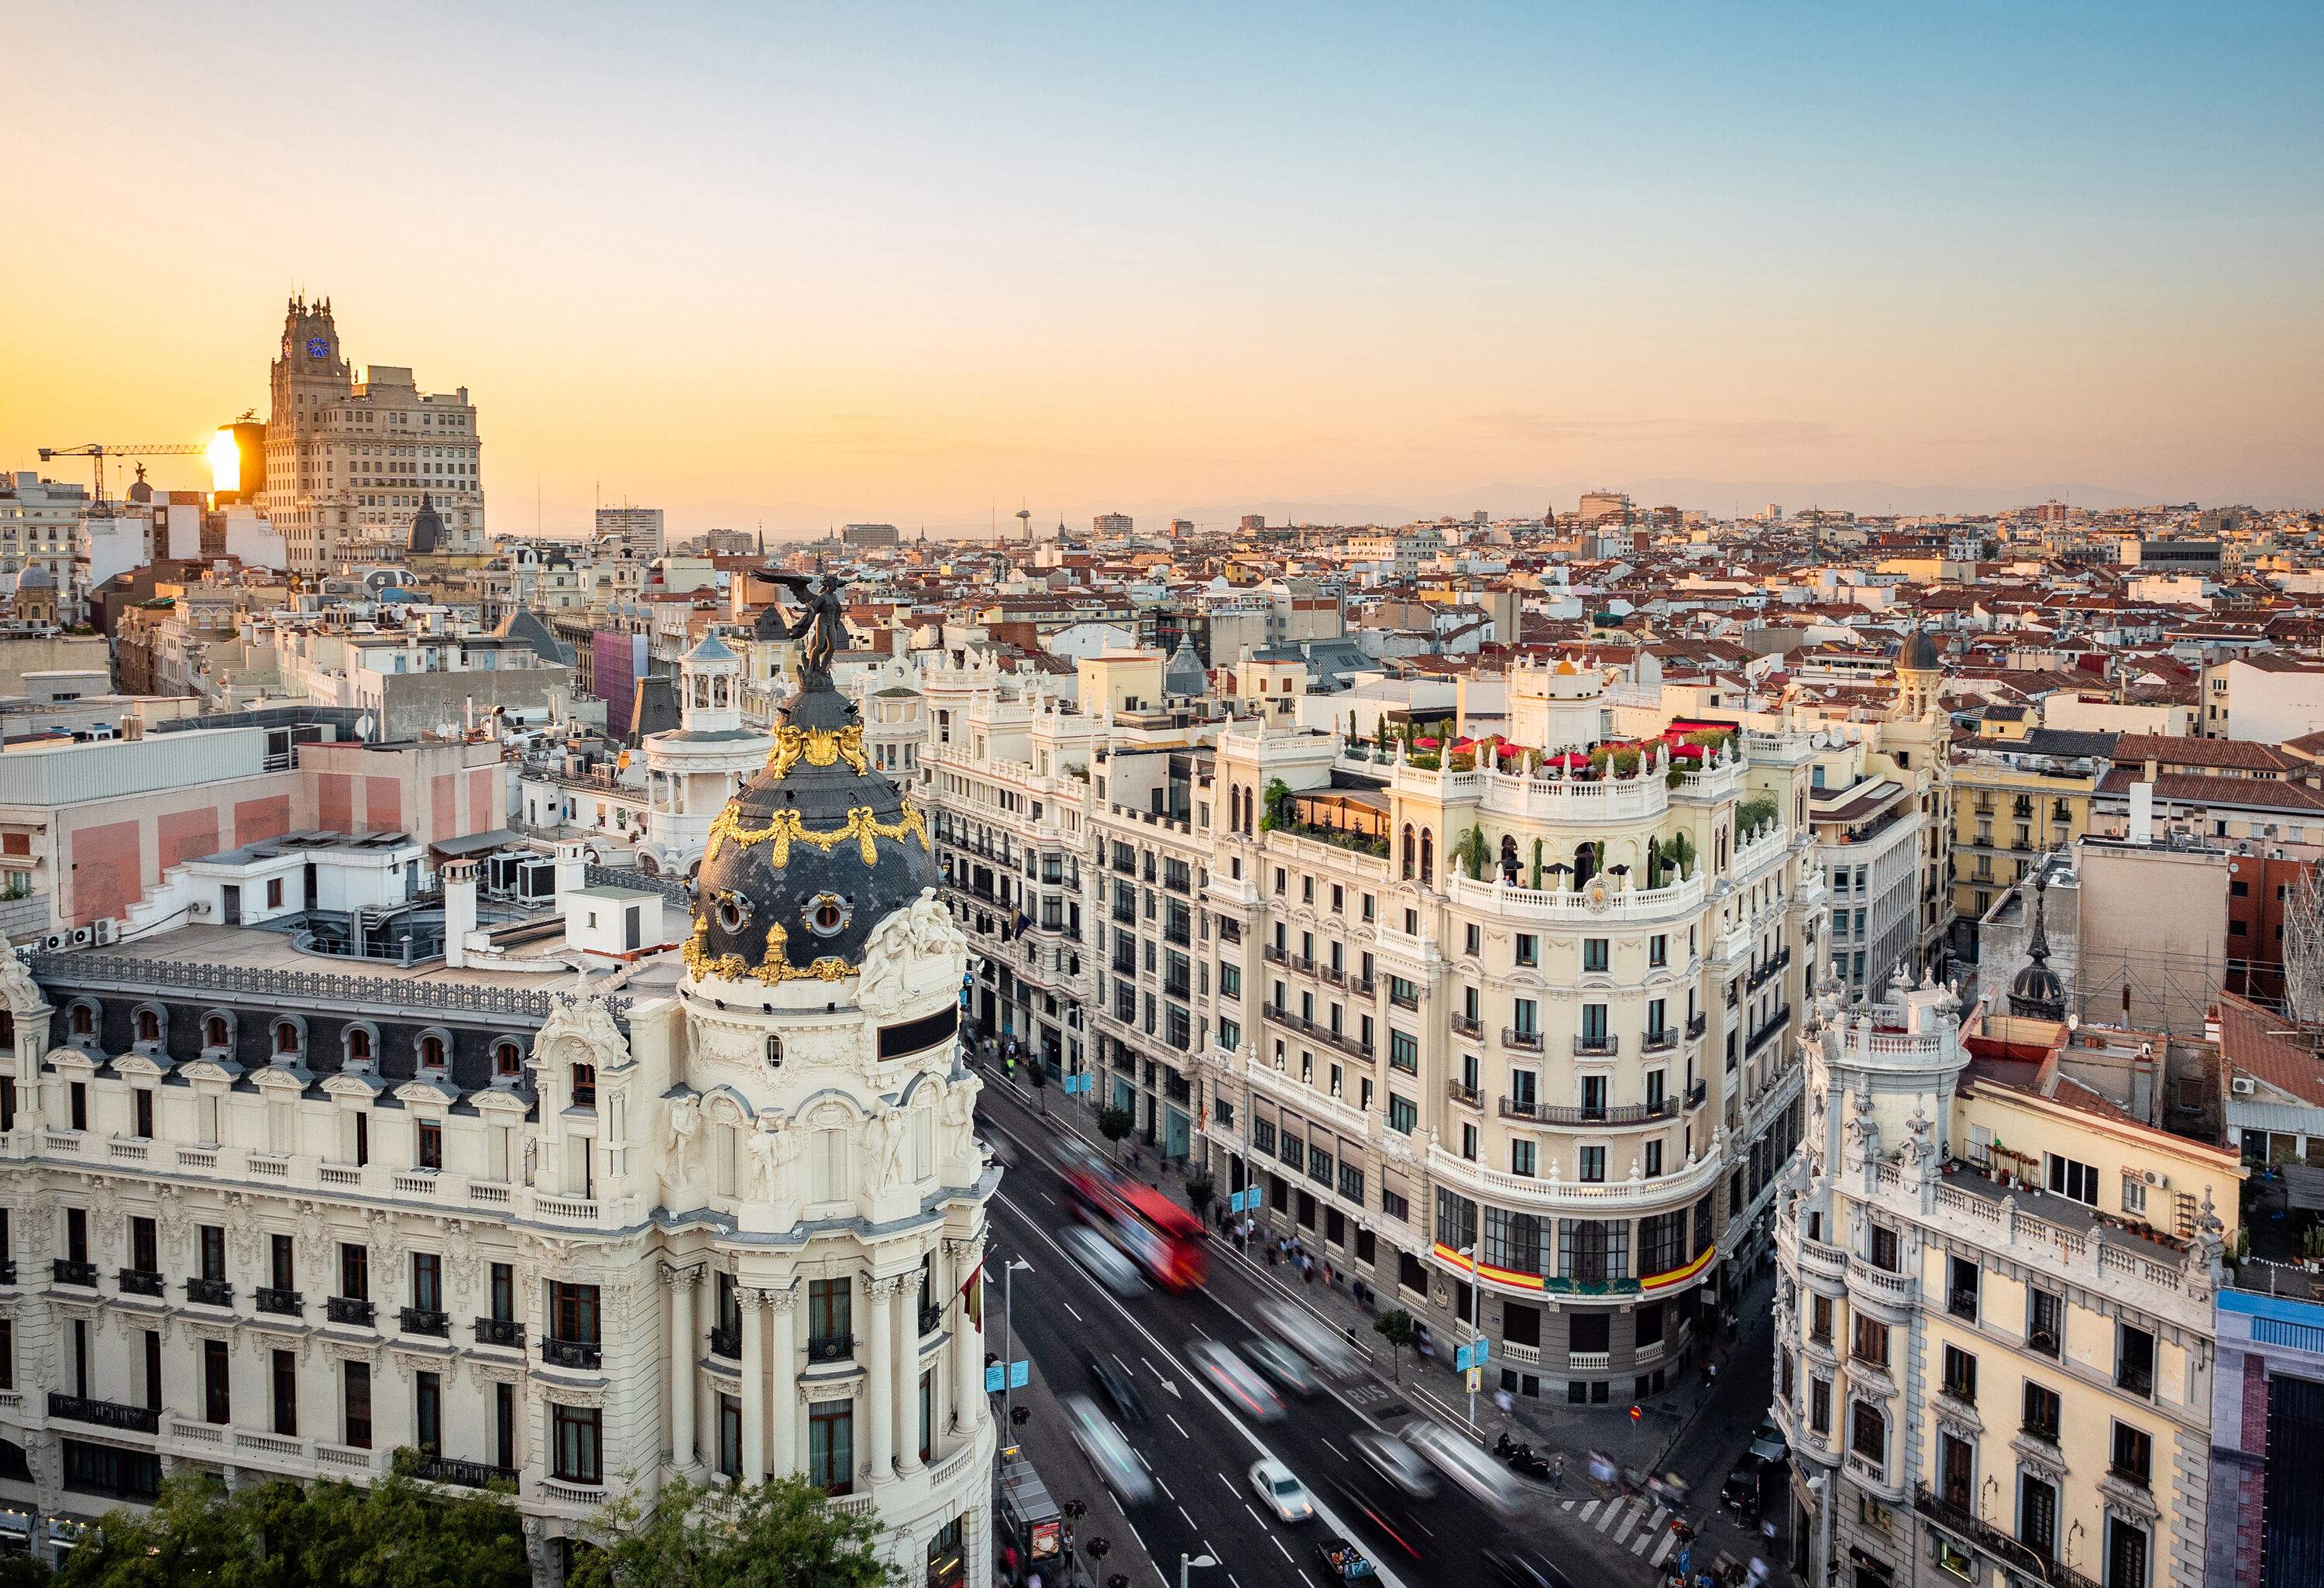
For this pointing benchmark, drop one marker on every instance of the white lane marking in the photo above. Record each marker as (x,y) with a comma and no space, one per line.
(1662,1515)
(1233,1580)
(1078,1318)
(1142,1461)
(1159,1483)
(1230,1488)
(1424,1526)
(1568,1505)
(1149,1367)
(1304,1576)
(1335,1450)
(1182,1433)
(1254,1515)
(1286,1553)
(1190,1521)
(1662,1549)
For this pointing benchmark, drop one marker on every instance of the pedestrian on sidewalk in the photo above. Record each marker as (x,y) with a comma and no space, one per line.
(1327,1273)
(1557,1471)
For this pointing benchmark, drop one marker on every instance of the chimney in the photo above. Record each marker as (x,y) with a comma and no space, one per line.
(2141,809)
(572,867)
(459,910)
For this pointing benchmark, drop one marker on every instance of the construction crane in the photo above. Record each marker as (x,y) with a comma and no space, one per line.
(101,451)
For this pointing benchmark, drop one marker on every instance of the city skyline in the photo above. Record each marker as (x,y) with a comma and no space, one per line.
(923,269)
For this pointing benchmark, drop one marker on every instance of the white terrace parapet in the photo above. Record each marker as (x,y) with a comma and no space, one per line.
(1618,904)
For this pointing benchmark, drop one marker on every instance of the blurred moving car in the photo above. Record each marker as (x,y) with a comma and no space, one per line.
(1115,1386)
(1523,1568)
(1280,1487)
(1742,1492)
(1107,1450)
(1106,1262)
(1244,1390)
(1467,1465)
(1396,1461)
(1311,1337)
(1286,1366)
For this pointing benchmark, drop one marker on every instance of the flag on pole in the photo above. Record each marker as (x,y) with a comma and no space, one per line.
(973,1291)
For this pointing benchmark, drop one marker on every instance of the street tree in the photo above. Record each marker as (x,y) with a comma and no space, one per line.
(1113,1124)
(1037,1076)
(1199,1192)
(778,1534)
(1396,1328)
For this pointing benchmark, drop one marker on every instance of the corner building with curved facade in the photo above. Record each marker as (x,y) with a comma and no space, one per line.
(713,1216)
(1566,1051)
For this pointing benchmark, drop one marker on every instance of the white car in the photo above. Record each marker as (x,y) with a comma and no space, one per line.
(1282,1490)
(1103,1259)
(1464,1465)
(1107,1450)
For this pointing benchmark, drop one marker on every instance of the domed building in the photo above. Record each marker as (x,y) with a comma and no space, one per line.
(840,1182)
(694,769)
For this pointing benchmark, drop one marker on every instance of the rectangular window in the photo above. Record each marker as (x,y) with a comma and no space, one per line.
(2037,1515)
(1871,1341)
(286,1394)
(1820,1319)
(354,1271)
(1402,1051)
(427,1281)
(1597,955)
(830,1308)
(1396,1206)
(831,1446)
(2044,1325)
(1868,1433)
(1658,950)
(1403,1118)
(428,1412)
(1351,1183)
(576,1453)
(217,1386)
(212,1250)
(358,1404)
(504,1293)
(2044,1411)
(1820,1405)
(2125,1554)
(2134,1454)
(2133,1194)
(2134,1359)
(730,1436)
(1592,1161)
(1521,1159)
(1230,980)
(1961,1375)
(573,1313)
(430,1154)
(1528,948)
(2077,1180)
(1883,1248)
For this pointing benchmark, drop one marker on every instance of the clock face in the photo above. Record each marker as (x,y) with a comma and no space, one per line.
(286,346)
(317,348)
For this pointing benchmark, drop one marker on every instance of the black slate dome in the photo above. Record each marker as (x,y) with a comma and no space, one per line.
(2036,993)
(427,526)
(816,850)
(1920,653)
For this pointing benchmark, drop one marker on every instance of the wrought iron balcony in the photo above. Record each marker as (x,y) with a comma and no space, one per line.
(210,1292)
(347,1309)
(1528,1041)
(141,1282)
(1660,1042)
(467,1474)
(1461,1092)
(1774,1024)
(831,1348)
(1697,1023)
(1697,1093)
(1628,1113)
(726,1343)
(64,1270)
(500,1332)
(2022,1559)
(287,1303)
(105,1414)
(1463,1026)
(931,1320)
(1601,1046)
(422,1320)
(572,1353)
(1274,955)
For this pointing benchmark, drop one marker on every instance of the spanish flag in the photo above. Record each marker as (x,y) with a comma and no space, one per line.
(973,1293)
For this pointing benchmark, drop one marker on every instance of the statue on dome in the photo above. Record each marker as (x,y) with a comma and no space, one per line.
(818,626)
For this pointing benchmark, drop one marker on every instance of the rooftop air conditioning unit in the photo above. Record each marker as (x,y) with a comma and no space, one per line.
(2243,1086)
(2155,1180)
(82,937)
(57,940)
(106,930)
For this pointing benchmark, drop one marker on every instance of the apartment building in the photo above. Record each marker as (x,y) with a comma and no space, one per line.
(1995,1307)
(1521,1027)
(2014,798)
(266,1219)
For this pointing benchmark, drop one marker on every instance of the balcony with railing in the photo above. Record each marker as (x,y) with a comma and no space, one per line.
(1772,1028)
(1461,1092)
(347,1309)
(726,1343)
(1627,1114)
(105,1414)
(281,1302)
(831,1348)
(140,1282)
(422,1320)
(1528,1041)
(2023,1561)
(1697,1023)
(500,1332)
(1766,968)
(210,1292)
(1463,1026)
(572,1353)
(1880,1285)
(1600,1045)
(464,1474)
(1660,1042)
(64,1270)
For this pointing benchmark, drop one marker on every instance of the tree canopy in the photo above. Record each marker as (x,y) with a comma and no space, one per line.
(780,1534)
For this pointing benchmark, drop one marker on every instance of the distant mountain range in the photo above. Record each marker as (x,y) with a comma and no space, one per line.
(792,521)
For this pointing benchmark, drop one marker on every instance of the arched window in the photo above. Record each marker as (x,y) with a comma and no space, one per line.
(1508,858)
(1427,855)
(84,1020)
(149,1026)
(507,1059)
(286,1037)
(358,1043)
(431,1052)
(1585,863)
(215,1033)
(1407,852)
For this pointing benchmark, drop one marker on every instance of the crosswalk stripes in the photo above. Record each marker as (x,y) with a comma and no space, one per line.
(1588,1509)
(1567,1505)
(1635,1511)
(1614,1508)
(1663,1549)
(1646,1534)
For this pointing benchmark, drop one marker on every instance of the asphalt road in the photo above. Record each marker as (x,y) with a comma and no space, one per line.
(1199,1451)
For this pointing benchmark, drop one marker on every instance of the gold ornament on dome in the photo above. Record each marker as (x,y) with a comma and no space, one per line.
(818,747)
(774,968)
(785,828)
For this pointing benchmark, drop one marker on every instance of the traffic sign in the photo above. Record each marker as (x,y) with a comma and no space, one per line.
(1476,1378)
(1238,1201)
(1471,1355)
(1014,1375)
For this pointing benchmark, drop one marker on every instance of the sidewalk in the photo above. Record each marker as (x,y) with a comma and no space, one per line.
(1044,1442)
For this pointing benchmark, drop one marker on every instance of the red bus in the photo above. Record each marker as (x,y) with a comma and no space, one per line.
(1161,1237)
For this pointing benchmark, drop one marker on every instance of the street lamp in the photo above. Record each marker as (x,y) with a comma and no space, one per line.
(1188,1561)
(1009,1335)
(1476,1292)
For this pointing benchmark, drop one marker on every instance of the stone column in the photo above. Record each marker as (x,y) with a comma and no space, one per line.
(967,1347)
(907,1378)
(785,1377)
(880,1374)
(683,1455)
(755,1386)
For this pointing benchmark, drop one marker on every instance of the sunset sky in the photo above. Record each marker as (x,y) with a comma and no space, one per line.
(917,263)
